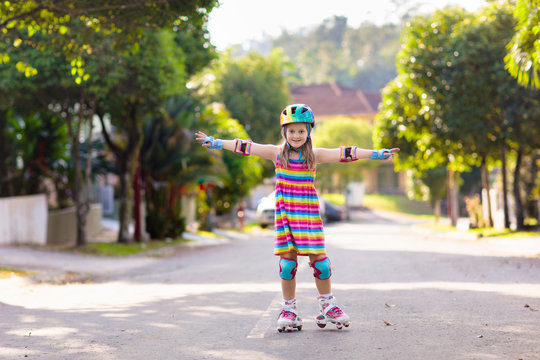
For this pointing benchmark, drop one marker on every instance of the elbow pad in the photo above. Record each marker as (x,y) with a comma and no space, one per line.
(348,153)
(243,147)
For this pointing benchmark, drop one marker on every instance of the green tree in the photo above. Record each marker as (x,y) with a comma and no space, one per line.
(361,57)
(50,89)
(255,92)
(76,30)
(171,163)
(337,132)
(242,172)
(523,58)
(129,92)
(401,123)
(61,19)
(451,70)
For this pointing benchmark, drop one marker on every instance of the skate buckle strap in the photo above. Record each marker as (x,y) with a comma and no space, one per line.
(335,311)
(330,306)
(288,314)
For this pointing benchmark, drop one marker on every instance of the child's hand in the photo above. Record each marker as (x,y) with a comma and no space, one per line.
(200,136)
(393,152)
(386,155)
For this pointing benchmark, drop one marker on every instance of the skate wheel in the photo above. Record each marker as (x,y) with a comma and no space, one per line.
(280,329)
(321,325)
(347,324)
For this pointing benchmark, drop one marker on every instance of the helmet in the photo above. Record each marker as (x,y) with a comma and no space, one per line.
(297,113)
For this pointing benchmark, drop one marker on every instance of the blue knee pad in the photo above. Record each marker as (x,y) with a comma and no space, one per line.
(287,268)
(322,268)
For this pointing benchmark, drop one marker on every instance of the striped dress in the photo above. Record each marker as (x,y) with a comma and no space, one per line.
(298,224)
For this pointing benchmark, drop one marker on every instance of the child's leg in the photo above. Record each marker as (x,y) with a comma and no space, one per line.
(324,286)
(287,271)
(330,311)
(288,319)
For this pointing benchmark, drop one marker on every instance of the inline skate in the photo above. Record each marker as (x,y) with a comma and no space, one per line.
(288,319)
(330,312)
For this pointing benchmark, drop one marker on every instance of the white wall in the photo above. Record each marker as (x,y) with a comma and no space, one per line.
(23,220)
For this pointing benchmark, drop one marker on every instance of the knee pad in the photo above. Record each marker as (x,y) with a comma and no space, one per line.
(287,268)
(322,268)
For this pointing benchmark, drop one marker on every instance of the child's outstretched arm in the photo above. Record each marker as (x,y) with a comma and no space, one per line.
(244,147)
(352,153)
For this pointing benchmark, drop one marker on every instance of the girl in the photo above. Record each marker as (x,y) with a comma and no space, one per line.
(298,224)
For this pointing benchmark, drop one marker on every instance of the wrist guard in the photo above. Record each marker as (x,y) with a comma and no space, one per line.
(348,153)
(243,147)
(214,143)
(382,154)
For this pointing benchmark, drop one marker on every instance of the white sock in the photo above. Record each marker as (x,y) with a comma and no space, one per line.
(289,302)
(326,296)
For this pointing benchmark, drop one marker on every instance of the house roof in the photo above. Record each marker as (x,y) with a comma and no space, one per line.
(335,99)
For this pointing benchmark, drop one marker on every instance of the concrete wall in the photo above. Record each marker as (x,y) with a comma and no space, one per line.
(62,225)
(23,220)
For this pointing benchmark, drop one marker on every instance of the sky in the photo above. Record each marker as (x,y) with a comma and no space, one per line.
(237,21)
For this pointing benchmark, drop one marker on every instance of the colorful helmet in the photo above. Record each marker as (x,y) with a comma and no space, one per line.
(297,113)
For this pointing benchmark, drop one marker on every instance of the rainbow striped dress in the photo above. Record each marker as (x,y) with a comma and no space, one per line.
(298,224)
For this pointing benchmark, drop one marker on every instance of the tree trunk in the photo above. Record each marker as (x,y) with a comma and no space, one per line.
(485,185)
(81,207)
(89,158)
(529,185)
(126,160)
(137,201)
(517,196)
(505,188)
(125,210)
(437,211)
(452,203)
(4,155)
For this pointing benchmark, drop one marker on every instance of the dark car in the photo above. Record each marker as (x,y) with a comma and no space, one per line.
(332,212)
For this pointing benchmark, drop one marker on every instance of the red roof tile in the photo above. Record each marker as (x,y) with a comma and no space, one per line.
(335,99)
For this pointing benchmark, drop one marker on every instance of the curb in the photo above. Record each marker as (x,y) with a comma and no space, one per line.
(456,235)
(200,240)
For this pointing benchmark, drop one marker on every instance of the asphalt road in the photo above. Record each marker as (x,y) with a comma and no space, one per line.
(409,296)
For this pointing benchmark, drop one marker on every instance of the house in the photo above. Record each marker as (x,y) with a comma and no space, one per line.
(329,101)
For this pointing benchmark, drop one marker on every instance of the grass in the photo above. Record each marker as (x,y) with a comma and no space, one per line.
(119,249)
(336,199)
(507,233)
(250,227)
(392,203)
(483,232)
(6,273)
(396,203)
(207,234)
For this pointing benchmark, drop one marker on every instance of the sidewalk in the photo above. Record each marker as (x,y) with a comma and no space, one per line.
(528,246)
(55,266)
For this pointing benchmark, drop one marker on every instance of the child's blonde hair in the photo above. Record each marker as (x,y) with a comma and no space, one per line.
(306,149)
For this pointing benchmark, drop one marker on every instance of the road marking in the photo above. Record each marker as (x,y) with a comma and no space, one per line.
(269,316)
(266,320)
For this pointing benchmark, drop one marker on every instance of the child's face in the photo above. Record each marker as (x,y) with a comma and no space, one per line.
(297,134)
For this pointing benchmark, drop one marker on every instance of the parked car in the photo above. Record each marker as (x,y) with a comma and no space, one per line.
(332,212)
(266,209)
(267,206)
